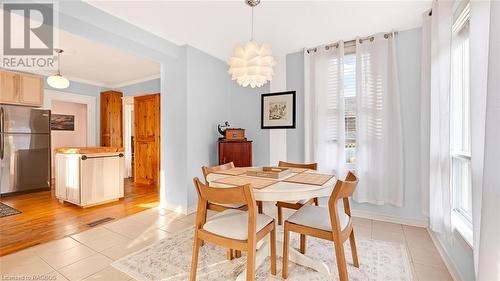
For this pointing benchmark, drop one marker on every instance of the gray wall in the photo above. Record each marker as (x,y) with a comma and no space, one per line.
(295,82)
(208,100)
(245,113)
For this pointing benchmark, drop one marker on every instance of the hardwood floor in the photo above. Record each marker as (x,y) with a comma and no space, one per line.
(44,218)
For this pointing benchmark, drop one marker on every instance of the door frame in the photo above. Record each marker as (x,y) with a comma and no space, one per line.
(128,128)
(90,101)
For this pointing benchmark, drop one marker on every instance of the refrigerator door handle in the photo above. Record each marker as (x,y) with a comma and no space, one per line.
(2,121)
(2,115)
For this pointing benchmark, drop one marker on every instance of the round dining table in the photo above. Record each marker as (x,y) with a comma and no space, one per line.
(287,192)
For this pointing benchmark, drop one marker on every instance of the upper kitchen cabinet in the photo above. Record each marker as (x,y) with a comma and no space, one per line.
(30,90)
(23,89)
(111,119)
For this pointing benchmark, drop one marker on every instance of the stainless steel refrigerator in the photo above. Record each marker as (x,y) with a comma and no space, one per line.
(24,149)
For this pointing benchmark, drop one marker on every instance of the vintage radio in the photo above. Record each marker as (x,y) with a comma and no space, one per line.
(235,134)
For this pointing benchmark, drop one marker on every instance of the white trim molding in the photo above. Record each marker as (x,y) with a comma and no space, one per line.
(90,101)
(450,265)
(387,218)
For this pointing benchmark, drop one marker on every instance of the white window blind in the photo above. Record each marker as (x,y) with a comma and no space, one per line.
(350,107)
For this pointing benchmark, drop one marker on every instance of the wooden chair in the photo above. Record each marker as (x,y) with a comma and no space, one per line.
(297,205)
(326,223)
(222,207)
(216,207)
(232,228)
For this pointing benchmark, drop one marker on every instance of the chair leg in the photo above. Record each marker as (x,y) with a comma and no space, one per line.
(316,201)
(237,254)
(229,254)
(280,215)
(194,259)
(251,262)
(260,207)
(303,244)
(341,262)
(354,251)
(272,237)
(286,238)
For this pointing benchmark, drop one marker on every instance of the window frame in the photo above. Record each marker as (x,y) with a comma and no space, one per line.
(460,219)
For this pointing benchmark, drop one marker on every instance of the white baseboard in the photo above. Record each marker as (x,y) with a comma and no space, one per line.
(450,265)
(178,209)
(379,217)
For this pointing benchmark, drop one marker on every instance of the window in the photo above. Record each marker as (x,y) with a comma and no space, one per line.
(350,107)
(460,131)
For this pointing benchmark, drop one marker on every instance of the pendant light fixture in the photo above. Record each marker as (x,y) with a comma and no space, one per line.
(251,64)
(58,81)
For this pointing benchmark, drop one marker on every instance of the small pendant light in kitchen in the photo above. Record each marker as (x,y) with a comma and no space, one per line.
(58,81)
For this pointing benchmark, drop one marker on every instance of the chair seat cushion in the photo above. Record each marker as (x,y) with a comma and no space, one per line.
(317,217)
(234,224)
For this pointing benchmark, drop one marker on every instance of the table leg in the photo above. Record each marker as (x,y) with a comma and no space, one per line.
(293,255)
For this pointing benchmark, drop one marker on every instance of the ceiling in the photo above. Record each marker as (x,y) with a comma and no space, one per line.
(289,26)
(95,63)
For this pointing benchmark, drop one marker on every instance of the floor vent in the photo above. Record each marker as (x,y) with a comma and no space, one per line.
(101,221)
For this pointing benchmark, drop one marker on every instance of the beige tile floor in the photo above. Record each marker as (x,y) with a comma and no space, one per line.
(88,255)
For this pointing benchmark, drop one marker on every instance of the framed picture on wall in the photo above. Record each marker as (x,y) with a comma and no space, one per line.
(62,122)
(278,110)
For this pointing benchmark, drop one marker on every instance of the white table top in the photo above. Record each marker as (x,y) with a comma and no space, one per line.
(283,191)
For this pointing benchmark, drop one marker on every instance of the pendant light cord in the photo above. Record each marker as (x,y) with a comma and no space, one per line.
(251,38)
(59,63)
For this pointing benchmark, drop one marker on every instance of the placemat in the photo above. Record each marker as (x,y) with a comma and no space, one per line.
(234,171)
(254,182)
(307,178)
(298,170)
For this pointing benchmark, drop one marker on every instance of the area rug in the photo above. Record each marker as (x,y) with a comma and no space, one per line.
(6,210)
(170,259)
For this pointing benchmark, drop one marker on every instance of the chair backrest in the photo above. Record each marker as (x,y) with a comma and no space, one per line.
(231,195)
(343,190)
(312,166)
(207,170)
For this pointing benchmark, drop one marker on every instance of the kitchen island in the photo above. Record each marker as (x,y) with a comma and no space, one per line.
(89,176)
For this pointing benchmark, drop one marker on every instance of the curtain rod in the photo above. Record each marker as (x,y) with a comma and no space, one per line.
(350,42)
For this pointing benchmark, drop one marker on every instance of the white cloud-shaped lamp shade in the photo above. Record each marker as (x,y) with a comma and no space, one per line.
(58,81)
(252,64)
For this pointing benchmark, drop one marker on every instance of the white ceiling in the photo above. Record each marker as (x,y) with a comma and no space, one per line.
(99,64)
(289,26)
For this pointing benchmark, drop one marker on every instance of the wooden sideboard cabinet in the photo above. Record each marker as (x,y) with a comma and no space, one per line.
(239,152)
(111,119)
(21,89)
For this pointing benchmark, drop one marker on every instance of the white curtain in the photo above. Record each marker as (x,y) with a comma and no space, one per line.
(425,92)
(439,148)
(324,108)
(479,44)
(489,247)
(379,159)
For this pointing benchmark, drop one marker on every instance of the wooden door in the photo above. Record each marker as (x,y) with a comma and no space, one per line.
(30,90)
(111,119)
(8,89)
(147,139)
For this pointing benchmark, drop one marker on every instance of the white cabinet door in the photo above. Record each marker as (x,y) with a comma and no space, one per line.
(68,177)
(101,178)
